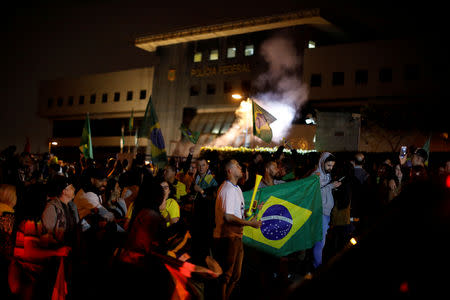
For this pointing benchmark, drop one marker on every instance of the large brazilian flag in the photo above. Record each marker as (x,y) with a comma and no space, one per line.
(291,217)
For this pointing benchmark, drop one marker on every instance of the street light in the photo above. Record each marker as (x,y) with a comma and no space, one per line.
(236,96)
(54,143)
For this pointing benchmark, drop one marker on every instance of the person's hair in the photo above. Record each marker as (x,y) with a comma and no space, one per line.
(8,195)
(150,196)
(228,164)
(330,157)
(56,185)
(172,167)
(202,158)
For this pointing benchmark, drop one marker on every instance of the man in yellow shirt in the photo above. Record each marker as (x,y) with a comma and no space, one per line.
(169,176)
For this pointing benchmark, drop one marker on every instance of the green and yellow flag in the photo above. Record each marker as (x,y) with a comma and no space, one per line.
(86,139)
(150,129)
(291,217)
(261,122)
(131,121)
(191,136)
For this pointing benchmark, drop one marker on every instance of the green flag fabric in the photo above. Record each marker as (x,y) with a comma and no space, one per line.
(291,217)
(191,136)
(86,140)
(150,129)
(131,121)
(261,122)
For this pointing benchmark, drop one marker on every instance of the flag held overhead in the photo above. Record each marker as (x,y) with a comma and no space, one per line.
(261,122)
(86,139)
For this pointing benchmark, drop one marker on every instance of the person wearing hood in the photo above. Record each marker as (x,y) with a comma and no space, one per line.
(326,164)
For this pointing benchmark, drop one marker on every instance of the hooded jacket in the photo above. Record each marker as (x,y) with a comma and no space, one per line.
(325,186)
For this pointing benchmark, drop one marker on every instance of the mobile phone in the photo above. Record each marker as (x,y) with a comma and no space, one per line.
(342,178)
(403,150)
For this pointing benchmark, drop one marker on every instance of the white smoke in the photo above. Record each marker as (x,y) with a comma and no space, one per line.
(285,93)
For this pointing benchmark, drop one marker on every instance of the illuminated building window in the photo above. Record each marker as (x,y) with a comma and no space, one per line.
(361,77)
(129,95)
(231,52)
(210,89)
(60,101)
(311,44)
(92,101)
(194,90)
(227,87)
(104,98)
(338,78)
(116,97)
(50,102)
(316,80)
(70,101)
(81,100)
(385,75)
(249,50)
(197,57)
(143,94)
(214,54)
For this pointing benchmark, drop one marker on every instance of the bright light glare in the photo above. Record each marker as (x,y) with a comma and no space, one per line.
(54,143)
(236,96)
(353,241)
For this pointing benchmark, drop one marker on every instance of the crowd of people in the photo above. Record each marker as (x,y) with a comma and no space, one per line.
(111,229)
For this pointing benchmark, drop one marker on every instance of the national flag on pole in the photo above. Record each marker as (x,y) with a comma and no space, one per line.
(122,138)
(86,140)
(131,121)
(191,136)
(291,217)
(261,122)
(150,129)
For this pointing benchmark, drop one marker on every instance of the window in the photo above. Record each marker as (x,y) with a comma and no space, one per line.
(194,90)
(249,50)
(81,100)
(385,75)
(214,54)
(311,44)
(227,87)
(246,85)
(412,72)
(50,102)
(143,94)
(70,101)
(129,95)
(338,78)
(361,77)
(116,97)
(197,57)
(104,98)
(316,80)
(231,52)
(92,101)
(60,101)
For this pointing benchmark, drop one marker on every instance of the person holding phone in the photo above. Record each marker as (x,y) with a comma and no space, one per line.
(326,164)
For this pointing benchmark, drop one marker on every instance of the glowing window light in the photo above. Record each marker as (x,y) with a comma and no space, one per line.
(353,241)
(311,44)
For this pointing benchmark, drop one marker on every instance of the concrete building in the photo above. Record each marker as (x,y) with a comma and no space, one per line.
(199,68)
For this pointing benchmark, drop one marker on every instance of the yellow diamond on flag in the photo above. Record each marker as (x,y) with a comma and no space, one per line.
(280,221)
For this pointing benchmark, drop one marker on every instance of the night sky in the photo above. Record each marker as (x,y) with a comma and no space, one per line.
(47,40)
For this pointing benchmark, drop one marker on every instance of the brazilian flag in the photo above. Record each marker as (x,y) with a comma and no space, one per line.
(86,139)
(191,136)
(261,122)
(291,217)
(150,129)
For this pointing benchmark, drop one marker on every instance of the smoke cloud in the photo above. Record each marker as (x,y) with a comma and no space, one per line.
(282,93)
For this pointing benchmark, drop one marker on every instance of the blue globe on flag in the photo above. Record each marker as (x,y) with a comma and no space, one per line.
(276,222)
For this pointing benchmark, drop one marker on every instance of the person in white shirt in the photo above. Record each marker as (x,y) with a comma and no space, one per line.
(229,216)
